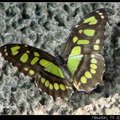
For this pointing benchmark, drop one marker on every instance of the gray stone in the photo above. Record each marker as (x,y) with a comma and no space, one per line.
(47,26)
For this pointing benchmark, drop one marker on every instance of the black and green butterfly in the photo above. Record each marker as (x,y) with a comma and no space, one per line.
(80,66)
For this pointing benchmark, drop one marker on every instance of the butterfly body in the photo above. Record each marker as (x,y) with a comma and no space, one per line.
(62,64)
(80,66)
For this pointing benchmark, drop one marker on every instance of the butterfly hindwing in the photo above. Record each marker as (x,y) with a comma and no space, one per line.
(85,40)
(39,65)
(89,73)
(53,85)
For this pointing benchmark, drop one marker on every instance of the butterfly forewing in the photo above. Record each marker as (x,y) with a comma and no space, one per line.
(88,34)
(39,65)
(89,73)
(85,40)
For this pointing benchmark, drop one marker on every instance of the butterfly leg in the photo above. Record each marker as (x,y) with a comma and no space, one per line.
(36,81)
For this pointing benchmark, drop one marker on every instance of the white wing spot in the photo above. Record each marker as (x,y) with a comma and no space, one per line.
(92,55)
(104,64)
(102,17)
(76,26)
(5,50)
(100,13)
(26,45)
(97,11)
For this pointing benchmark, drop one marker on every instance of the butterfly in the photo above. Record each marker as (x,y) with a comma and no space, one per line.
(80,66)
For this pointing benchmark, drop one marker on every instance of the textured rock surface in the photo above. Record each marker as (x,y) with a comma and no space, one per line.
(47,26)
